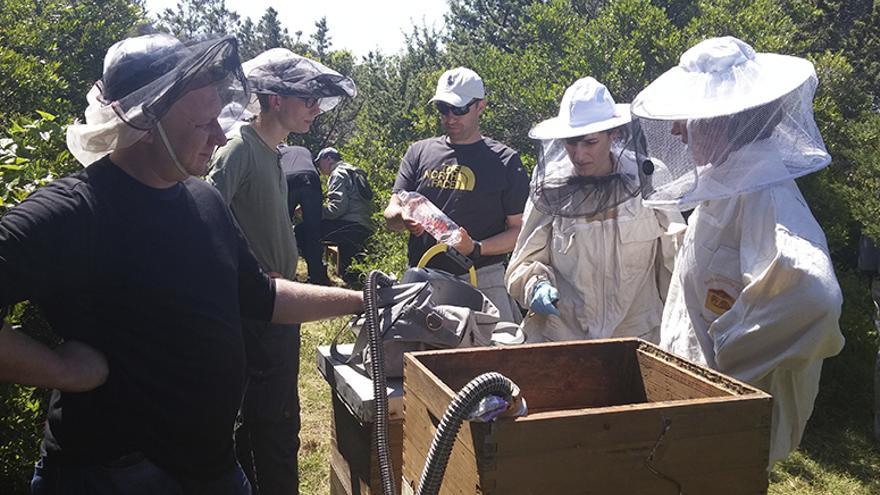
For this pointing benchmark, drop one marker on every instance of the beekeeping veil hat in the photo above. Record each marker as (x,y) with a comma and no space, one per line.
(281,72)
(143,78)
(556,189)
(724,122)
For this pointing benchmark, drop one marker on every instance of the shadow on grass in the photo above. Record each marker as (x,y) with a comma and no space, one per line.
(839,437)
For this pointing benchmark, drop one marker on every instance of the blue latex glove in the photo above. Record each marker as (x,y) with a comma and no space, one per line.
(543,299)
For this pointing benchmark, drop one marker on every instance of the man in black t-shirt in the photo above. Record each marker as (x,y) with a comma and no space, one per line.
(478,182)
(142,270)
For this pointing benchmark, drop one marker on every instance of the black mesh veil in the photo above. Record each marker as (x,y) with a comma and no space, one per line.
(281,72)
(556,188)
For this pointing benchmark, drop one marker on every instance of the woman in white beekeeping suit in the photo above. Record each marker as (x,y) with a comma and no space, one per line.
(753,293)
(590,261)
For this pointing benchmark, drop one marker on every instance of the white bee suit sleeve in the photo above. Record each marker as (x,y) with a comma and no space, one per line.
(674,226)
(530,261)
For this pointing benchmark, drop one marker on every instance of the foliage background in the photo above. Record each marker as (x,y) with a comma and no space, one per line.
(527,52)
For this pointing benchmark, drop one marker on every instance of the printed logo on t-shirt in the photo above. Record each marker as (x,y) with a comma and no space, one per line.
(451,176)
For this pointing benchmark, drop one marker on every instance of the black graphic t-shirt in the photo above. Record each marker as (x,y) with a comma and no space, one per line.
(478,185)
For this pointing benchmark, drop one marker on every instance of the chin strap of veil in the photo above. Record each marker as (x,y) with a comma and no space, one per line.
(171,152)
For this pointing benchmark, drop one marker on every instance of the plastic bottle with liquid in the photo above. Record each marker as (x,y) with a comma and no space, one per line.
(435,222)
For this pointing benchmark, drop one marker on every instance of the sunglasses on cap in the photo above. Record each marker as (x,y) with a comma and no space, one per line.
(444,108)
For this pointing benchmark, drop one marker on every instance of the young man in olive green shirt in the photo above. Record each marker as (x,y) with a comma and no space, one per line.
(291,91)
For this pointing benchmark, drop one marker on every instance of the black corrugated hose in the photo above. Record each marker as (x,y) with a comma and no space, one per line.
(461,406)
(465,401)
(377,367)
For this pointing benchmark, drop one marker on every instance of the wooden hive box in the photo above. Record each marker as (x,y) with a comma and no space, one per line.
(605,417)
(354,467)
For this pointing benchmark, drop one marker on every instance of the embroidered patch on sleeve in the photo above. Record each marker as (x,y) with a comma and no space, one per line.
(718,301)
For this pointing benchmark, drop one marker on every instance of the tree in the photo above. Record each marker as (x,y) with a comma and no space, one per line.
(270,33)
(851,27)
(193,19)
(321,40)
(39,39)
(248,46)
(496,22)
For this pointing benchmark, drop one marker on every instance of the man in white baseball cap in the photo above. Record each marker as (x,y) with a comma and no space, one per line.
(477,181)
(458,87)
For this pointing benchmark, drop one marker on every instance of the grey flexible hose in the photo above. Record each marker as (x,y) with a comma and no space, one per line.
(465,401)
(377,368)
(461,406)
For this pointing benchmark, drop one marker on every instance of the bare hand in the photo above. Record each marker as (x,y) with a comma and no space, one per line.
(84,368)
(465,245)
(414,227)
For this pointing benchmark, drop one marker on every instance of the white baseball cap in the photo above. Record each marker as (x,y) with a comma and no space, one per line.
(458,87)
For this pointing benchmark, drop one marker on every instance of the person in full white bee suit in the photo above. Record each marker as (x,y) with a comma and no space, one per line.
(590,261)
(753,293)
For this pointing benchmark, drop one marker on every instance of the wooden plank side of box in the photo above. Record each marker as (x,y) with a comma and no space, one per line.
(342,480)
(418,432)
(666,376)
(593,435)
(719,441)
(395,443)
(337,486)
(353,442)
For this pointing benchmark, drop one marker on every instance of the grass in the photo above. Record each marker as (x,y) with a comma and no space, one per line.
(838,455)
(315,407)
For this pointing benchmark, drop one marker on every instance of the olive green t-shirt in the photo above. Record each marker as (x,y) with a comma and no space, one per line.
(248,175)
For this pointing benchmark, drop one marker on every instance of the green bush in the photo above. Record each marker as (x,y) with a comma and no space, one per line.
(33,153)
(23,413)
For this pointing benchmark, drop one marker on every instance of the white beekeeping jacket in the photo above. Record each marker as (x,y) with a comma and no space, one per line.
(611,271)
(754,296)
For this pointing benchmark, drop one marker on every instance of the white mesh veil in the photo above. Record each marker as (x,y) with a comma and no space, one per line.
(143,77)
(557,189)
(726,121)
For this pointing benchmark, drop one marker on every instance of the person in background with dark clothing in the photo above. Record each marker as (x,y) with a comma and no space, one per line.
(869,264)
(347,215)
(304,193)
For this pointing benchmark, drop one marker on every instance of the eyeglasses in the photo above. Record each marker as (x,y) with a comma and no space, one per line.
(445,108)
(310,102)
